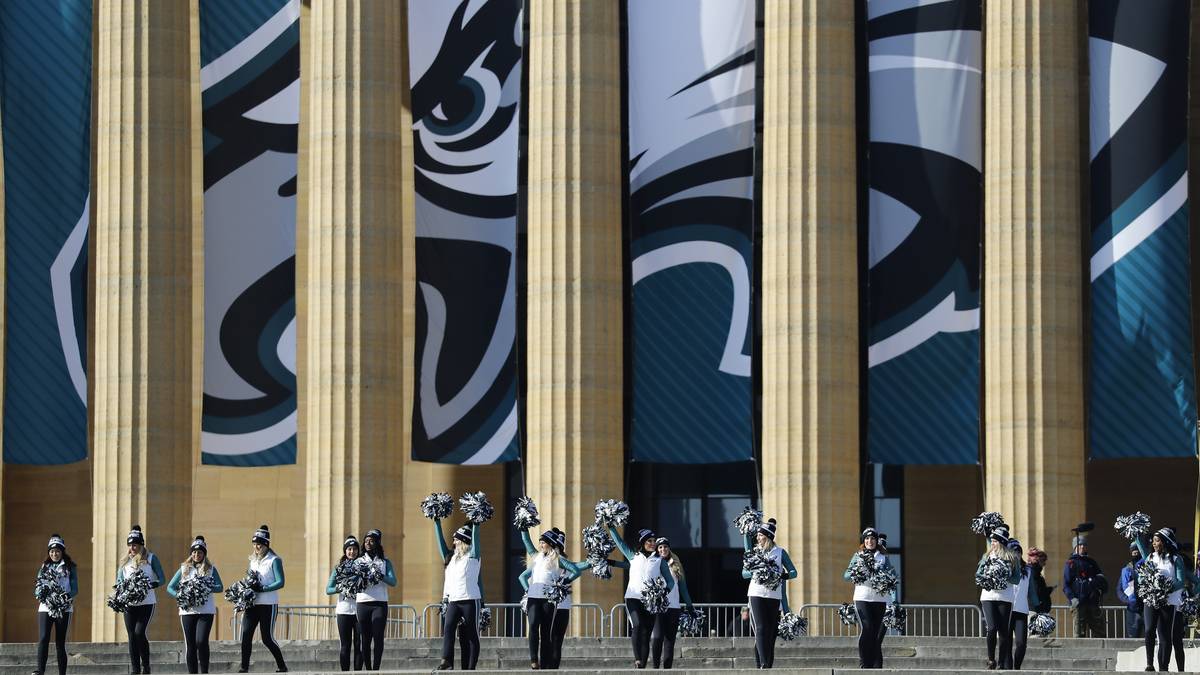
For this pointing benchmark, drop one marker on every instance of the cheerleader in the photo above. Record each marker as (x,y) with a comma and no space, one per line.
(997,605)
(644,566)
(1160,621)
(64,571)
(137,617)
(349,638)
(543,567)
(867,602)
(462,591)
(372,602)
(261,615)
(766,603)
(197,622)
(666,625)
(1024,598)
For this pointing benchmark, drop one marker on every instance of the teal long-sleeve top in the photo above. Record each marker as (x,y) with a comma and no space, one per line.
(159,578)
(1014,576)
(173,584)
(277,568)
(1178,581)
(789,570)
(329,587)
(72,580)
(664,569)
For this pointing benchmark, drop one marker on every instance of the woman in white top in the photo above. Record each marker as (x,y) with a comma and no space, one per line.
(137,617)
(543,566)
(261,615)
(666,625)
(997,605)
(346,610)
(372,602)
(767,603)
(462,592)
(198,621)
(869,604)
(1160,620)
(645,565)
(58,562)
(1024,597)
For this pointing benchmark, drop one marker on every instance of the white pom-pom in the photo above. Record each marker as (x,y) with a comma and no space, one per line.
(692,623)
(476,507)
(792,626)
(437,506)
(242,592)
(128,592)
(612,513)
(1042,625)
(1132,526)
(748,521)
(194,592)
(993,576)
(895,617)
(985,522)
(1153,588)
(764,570)
(848,614)
(654,596)
(525,515)
(558,590)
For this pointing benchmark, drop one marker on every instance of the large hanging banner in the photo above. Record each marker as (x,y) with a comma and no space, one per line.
(1141,399)
(45,113)
(690,69)
(465,69)
(250,91)
(925,163)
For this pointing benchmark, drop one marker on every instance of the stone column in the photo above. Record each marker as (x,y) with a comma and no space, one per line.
(810,347)
(353,430)
(575,454)
(1033,271)
(147,199)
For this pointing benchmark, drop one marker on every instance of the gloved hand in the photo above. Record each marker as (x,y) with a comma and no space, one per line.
(1074,603)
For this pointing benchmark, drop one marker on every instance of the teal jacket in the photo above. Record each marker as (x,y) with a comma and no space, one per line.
(73,580)
(173,584)
(159,578)
(1178,582)
(663,568)
(789,571)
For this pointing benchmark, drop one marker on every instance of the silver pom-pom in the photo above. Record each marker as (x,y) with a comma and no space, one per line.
(654,596)
(1042,625)
(194,592)
(883,581)
(862,567)
(985,522)
(358,576)
(525,515)
(1153,588)
(612,513)
(764,570)
(476,507)
(1189,607)
(50,593)
(993,576)
(895,617)
(848,614)
(437,506)
(558,590)
(748,520)
(242,592)
(485,619)
(128,592)
(693,623)
(442,607)
(1136,524)
(346,580)
(601,568)
(792,626)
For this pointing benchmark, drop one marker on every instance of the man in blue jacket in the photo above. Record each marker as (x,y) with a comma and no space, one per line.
(1084,585)
(1127,594)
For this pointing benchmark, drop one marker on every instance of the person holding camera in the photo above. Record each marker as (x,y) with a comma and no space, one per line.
(1084,584)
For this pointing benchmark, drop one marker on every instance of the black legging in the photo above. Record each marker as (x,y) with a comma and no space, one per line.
(462,615)
(1020,633)
(60,625)
(263,618)
(1179,627)
(871,632)
(666,625)
(196,628)
(1160,624)
(641,623)
(998,615)
(541,643)
(558,632)
(350,641)
(764,619)
(372,623)
(137,620)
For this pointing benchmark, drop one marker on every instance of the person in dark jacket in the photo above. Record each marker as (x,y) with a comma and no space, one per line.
(1084,584)
(1036,558)
(1134,626)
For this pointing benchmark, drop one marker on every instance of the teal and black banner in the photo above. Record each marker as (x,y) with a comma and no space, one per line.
(924,222)
(691,109)
(465,69)
(250,92)
(1142,400)
(45,112)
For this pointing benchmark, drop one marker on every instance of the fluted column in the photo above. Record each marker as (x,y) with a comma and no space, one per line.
(147,199)
(1032,332)
(810,377)
(575,451)
(353,429)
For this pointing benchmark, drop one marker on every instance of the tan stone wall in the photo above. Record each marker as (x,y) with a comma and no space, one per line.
(940,552)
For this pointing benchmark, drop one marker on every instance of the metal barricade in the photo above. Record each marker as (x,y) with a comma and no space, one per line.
(1114,621)
(508,620)
(723,619)
(922,620)
(319,622)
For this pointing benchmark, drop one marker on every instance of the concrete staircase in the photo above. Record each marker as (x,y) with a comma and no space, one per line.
(814,655)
